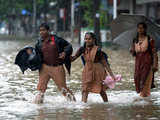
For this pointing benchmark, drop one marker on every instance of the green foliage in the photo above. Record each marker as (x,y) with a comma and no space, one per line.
(9,7)
(103,19)
(88,14)
(88,11)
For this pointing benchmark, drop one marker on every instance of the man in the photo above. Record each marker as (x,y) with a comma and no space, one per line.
(54,52)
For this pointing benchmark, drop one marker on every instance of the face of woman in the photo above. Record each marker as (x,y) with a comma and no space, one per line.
(140,29)
(43,32)
(89,40)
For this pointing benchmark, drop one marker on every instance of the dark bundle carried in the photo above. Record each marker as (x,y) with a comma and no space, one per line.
(28,58)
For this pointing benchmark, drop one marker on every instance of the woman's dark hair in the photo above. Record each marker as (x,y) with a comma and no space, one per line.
(135,40)
(144,26)
(92,36)
(45,25)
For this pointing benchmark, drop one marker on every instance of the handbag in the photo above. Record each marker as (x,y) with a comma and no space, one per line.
(109,82)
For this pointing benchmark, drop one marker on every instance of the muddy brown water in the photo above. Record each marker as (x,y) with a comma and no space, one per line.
(18,90)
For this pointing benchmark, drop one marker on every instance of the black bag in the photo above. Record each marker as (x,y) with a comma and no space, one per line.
(32,61)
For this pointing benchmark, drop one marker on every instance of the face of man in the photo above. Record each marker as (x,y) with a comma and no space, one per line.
(43,32)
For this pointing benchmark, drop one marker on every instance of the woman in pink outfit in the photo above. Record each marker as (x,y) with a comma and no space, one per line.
(95,67)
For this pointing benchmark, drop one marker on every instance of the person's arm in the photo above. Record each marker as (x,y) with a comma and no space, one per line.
(38,49)
(106,65)
(132,48)
(77,54)
(66,46)
(154,56)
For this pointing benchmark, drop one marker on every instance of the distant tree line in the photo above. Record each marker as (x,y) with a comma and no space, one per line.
(11,11)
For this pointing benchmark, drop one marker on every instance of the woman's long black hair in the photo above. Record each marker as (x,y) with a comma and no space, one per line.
(82,49)
(135,40)
(93,35)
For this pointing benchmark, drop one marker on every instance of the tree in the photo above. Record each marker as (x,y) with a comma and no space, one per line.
(87,12)
(96,14)
(10,10)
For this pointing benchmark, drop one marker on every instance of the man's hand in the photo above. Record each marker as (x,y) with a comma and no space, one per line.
(62,55)
(72,58)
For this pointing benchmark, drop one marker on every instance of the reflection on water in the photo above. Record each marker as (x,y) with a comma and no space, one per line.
(17,92)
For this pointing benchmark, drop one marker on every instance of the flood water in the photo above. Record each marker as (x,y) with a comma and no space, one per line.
(18,90)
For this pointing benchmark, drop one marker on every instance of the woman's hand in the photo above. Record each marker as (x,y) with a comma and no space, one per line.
(137,48)
(71,58)
(107,68)
(113,77)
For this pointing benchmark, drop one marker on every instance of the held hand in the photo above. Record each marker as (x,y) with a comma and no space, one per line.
(62,55)
(72,58)
(113,77)
(110,72)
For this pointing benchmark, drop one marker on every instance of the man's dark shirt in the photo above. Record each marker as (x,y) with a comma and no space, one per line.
(50,53)
(62,46)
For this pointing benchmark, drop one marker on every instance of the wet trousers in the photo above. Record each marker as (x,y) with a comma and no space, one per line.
(57,73)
